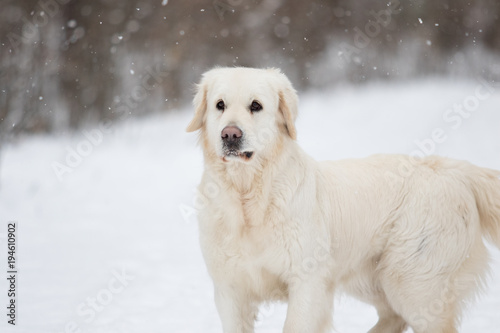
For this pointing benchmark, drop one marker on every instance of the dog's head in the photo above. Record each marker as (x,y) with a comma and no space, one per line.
(244,112)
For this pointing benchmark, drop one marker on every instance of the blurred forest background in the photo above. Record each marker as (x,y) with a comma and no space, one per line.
(68,63)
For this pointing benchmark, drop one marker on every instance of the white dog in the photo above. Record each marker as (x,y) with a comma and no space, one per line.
(401,233)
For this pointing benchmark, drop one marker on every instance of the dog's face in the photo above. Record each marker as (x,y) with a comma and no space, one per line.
(243,112)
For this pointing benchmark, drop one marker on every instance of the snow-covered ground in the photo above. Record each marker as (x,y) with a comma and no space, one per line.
(112,245)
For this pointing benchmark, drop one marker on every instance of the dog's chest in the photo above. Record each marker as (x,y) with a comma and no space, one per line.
(261,263)
(258,239)
(246,242)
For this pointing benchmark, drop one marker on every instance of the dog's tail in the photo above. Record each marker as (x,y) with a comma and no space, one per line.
(486,188)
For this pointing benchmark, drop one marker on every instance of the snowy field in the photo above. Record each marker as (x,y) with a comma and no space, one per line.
(109,242)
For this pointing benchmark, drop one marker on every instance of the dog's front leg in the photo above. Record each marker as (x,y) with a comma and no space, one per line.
(236,311)
(310,306)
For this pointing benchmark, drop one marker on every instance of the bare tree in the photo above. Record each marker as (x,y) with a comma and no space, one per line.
(81,61)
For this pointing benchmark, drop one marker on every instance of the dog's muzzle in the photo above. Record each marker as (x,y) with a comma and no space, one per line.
(232,138)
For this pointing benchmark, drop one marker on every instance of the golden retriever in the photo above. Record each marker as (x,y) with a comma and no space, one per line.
(402,233)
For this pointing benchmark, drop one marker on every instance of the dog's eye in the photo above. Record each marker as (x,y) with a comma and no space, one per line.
(255,106)
(220,105)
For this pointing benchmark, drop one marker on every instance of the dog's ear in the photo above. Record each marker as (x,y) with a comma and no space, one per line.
(288,105)
(200,107)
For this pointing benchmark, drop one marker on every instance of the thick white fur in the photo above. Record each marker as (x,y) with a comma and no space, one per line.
(403,234)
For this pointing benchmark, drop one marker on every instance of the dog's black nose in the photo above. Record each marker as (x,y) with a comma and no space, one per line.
(231,135)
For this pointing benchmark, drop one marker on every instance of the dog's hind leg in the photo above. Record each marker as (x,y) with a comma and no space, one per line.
(430,298)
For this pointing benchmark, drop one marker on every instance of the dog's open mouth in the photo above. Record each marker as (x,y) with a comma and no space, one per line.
(244,155)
